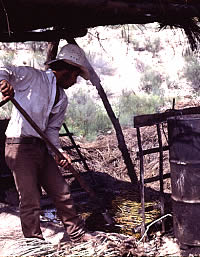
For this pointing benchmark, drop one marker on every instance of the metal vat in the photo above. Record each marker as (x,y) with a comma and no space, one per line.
(184,155)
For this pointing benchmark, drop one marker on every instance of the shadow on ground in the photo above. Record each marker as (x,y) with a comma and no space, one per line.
(119,198)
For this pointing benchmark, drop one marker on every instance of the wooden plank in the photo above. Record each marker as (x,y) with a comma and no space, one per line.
(66,134)
(141,181)
(49,35)
(153,150)
(69,147)
(155,118)
(162,202)
(156,178)
(92,13)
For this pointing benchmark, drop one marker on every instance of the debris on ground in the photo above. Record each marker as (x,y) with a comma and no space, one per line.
(123,202)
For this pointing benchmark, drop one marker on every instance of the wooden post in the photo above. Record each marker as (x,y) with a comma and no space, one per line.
(161,175)
(141,180)
(119,134)
(52,51)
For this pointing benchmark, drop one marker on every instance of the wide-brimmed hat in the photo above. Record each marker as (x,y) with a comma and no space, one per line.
(74,55)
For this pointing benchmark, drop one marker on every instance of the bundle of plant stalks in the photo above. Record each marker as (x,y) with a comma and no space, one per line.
(103,155)
(126,209)
(105,244)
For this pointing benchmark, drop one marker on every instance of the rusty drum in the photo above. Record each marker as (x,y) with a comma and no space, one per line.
(184,155)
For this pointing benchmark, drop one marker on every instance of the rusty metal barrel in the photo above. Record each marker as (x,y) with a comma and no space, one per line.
(184,155)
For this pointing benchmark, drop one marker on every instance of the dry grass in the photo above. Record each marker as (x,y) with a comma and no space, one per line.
(105,245)
(104,156)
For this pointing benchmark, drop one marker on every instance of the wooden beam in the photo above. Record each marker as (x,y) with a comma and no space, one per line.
(156,178)
(95,80)
(52,51)
(153,150)
(49,36)
(152,119)
(27,15)
(142,197)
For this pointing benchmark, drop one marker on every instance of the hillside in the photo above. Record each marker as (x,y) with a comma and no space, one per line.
(122,55)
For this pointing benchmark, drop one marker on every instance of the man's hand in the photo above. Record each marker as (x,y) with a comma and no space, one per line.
(64,163)
(6,89)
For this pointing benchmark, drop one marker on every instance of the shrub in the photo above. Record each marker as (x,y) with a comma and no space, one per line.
(130,105)
(153,47)
(191,71)
(40,59)
(85,117)
(100,64)
(151,82)
(8,57)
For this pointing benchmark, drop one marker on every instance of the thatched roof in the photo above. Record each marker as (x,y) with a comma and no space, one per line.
(73,17)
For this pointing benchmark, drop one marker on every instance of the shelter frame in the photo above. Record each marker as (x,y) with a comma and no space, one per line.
(155,119)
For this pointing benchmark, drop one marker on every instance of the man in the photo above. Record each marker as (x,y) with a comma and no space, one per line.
(41,94)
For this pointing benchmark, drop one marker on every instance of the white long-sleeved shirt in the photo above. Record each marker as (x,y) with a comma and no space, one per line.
(35,90)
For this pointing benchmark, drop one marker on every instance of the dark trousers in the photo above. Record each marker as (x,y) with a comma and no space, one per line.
(31,165)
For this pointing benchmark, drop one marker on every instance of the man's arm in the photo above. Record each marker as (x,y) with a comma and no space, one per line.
(52,132)
(9,78)
(18,77)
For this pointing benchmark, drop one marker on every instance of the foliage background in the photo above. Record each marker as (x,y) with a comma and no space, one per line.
(141,69)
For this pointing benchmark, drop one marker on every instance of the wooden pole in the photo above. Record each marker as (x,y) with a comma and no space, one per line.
(141,180)
(81,181)
(119,134)
(161,175)
(52,51)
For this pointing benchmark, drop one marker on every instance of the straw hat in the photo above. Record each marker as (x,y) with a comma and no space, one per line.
(74,55)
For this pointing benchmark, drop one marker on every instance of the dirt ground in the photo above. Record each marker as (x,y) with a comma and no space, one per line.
(11,230)
(105,162)
(12,244)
